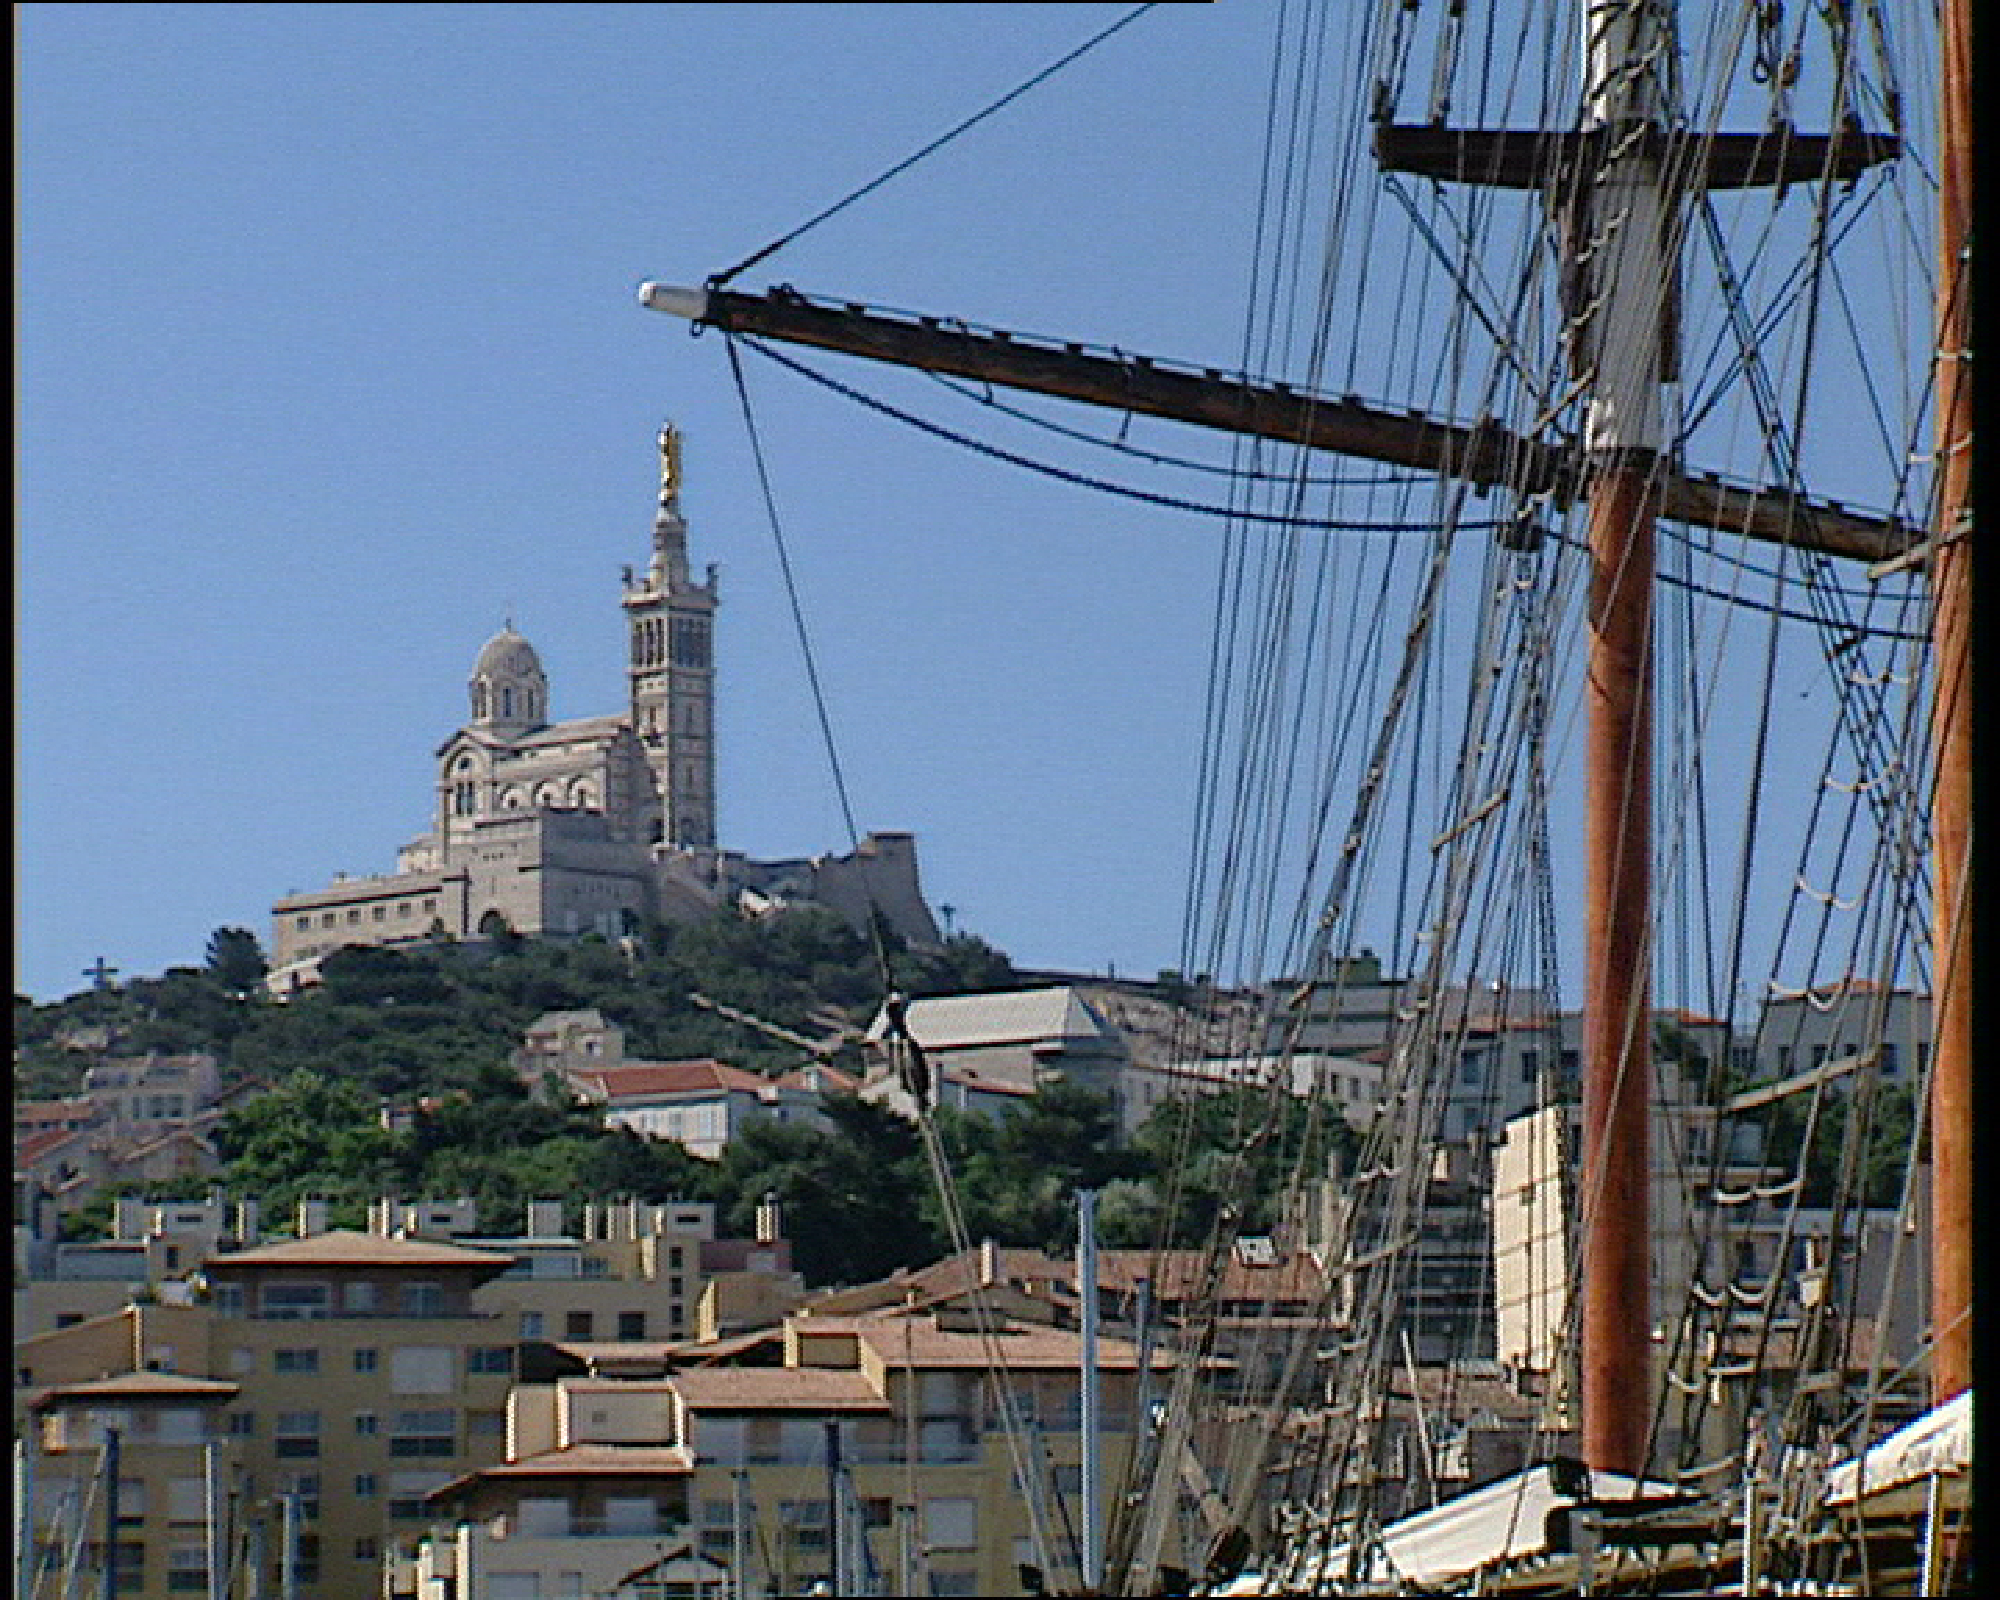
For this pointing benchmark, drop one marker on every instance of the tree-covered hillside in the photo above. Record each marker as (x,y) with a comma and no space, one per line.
(393,1077)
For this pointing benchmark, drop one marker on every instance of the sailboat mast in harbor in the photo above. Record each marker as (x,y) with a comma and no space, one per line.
(1950,560)
(1624,431)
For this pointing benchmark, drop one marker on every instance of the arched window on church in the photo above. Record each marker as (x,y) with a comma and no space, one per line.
(507,701)
(464,798)
(479,700)
(580,795)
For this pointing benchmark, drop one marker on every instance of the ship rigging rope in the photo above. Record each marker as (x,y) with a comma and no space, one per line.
(934,1148)
(936,144)
(813,682)
(1859,711)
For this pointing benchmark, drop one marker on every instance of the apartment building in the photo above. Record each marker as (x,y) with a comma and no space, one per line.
(134,1464)
(875,1455)
(339,1378)
(365,1369)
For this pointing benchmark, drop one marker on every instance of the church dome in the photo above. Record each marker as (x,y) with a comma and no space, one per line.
(510,692)
(507,654)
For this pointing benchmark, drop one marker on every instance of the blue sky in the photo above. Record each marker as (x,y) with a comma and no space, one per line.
(329,362)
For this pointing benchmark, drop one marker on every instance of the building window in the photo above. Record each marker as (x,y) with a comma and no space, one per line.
(296,1433)
(366,1486)
(421,1369)
(423,1433)
(631,1324)
(576,1325)
(531,1324)
(690,642)
(365,1422)
(807,1521)
(295,1360)
(187,1569)
(951,1522)
(242,1424)
(366,1549)
(407,1491)
(489,1358)
(423,1300)
(365,1360)
(294,1302)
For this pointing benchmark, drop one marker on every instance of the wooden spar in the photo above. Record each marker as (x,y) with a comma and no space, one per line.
(1620,350)
(1483,454)
(1951,735)
(1613,1188)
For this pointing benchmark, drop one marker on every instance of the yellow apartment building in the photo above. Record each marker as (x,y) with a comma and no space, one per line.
(880,1436)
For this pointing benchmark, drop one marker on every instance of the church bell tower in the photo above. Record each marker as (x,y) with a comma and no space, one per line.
(672,624)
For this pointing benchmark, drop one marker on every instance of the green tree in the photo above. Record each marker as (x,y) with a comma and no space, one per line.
(1240,1151)
(236,961)
(313,1134)
(852,1195)
(1017,1175)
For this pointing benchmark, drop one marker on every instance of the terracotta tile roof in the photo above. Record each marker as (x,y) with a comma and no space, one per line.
(130,1386)
(1178,1273)
(46,1111)
(45,1142)
(821,1077)
(579,1461)
(944,1280)
(729,1346)
(630,1079)
(916,1341)
(777,1389)
(344,1247)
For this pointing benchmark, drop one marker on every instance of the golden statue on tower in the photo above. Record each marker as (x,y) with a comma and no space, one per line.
(670,464)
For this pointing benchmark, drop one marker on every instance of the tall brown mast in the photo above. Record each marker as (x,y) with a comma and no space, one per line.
(1624,359)
(1951,734)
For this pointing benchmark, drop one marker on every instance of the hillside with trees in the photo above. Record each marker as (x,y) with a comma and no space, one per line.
(394,1077)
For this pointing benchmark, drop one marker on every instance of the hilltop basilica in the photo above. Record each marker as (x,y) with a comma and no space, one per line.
(593,825)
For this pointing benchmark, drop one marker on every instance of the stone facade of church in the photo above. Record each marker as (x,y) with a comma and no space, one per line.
(593,825)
